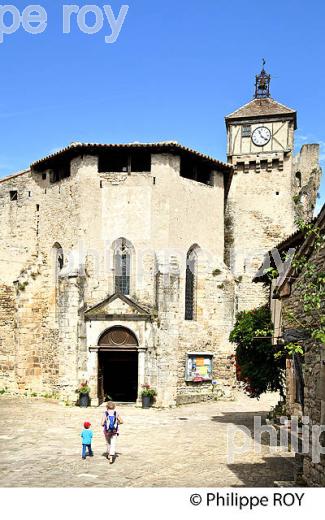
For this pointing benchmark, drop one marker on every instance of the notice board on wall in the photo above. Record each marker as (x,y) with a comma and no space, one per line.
(198,367)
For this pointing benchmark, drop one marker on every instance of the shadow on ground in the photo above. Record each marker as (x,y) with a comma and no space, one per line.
(268,436)
(240,418)
(258,474)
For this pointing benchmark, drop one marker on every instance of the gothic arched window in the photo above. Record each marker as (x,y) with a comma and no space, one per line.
(191,283)
(122,266)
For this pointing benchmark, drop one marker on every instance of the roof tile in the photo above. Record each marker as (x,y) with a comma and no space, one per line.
(261,107)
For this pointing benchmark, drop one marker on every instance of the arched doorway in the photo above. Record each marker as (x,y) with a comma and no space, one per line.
(118,365)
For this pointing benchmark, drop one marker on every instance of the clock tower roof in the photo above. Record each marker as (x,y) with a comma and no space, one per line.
(260,108)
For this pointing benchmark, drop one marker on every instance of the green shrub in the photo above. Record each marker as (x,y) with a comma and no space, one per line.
(256,364)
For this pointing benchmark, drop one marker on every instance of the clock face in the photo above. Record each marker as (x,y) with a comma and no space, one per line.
(261,136)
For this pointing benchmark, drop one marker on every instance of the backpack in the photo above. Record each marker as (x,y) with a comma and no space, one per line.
(111,424)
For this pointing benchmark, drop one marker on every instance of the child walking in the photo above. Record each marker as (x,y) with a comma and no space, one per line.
(111,420)
(86,436)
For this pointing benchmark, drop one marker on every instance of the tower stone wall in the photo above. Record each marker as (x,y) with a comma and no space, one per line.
(306,175)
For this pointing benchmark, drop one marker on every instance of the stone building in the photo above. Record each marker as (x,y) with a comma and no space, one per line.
(125,264)
(95,242)
(305,374)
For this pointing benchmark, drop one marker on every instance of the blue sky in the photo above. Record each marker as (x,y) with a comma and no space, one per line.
(177,68)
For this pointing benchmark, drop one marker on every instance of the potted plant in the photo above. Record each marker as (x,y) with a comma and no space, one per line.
(84,391)
(147,395)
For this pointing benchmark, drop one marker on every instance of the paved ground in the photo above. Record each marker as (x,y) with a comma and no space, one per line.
(182,447)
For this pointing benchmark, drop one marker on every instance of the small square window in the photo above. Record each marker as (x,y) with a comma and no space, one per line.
(13,195)
(114,161)
(44,176)
(141,162)
(59,173)
(246,131)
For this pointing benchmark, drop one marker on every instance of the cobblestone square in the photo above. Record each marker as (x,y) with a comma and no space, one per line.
(180,447)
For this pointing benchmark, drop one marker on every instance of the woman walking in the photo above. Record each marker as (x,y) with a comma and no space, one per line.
(110,421)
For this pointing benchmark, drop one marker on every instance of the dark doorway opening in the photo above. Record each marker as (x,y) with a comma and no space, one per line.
(119,375)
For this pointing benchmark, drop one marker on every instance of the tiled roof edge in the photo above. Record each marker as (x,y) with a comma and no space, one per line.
(14,175)
(167,145)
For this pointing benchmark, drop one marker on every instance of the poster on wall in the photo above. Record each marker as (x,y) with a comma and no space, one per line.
(199,367)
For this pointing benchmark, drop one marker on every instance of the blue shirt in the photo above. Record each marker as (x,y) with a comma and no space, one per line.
(86,436)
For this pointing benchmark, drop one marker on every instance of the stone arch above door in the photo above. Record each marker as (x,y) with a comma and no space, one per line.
(118,337)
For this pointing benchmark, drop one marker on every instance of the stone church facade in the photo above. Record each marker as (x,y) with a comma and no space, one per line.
(126,264)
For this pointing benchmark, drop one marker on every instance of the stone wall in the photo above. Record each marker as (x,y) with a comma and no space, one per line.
(41,215)
(306,180)
(7,337)
(209,333)
(314,386)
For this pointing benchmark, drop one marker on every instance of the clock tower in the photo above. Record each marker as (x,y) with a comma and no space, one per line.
(260,208)
(261,133)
